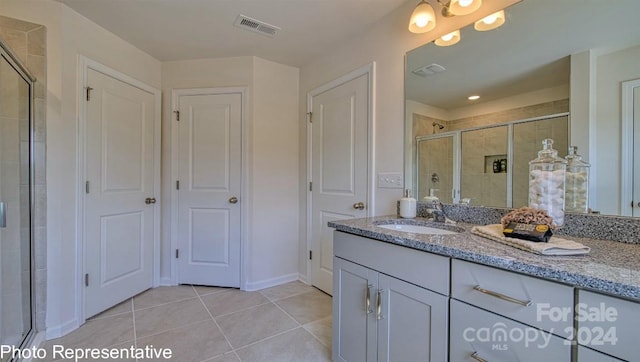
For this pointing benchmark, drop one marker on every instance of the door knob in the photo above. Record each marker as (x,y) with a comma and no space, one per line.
(150,200)
(358,206)
(233,200)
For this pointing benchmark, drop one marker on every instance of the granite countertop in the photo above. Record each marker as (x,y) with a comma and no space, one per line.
(611,267)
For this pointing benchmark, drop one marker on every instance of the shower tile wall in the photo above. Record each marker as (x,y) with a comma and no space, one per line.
(536,110)
(477,180)
(423,125)
(28,42)
(436,156)
(527,141)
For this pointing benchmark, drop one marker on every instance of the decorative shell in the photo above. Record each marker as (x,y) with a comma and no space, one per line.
(528,215)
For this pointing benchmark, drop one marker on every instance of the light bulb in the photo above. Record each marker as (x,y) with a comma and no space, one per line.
(464,7)
(490,22)
(422,21)
(490,19)
(448,39)
(423,18)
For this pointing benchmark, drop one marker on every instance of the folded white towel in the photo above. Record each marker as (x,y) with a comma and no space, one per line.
(555,246)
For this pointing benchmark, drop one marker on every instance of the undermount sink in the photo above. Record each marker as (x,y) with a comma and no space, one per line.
(417,229)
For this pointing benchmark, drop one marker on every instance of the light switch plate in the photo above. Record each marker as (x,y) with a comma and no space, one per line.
(390,180)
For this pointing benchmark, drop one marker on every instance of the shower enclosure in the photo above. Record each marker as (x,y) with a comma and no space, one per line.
(16,180)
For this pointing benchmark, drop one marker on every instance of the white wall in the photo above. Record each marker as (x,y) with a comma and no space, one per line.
(68,35)
(612,69)
(275,215)
(272,144)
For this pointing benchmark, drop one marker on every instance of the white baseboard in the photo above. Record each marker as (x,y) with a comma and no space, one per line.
(303,278)
(61,330)
(253,286)
(167,282)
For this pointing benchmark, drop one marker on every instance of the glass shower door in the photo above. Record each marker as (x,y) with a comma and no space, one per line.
(15,206)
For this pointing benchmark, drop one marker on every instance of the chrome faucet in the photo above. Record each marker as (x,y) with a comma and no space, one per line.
(439,214)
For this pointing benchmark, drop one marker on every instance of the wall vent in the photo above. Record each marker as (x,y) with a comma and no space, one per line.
(256,26)
(428,70)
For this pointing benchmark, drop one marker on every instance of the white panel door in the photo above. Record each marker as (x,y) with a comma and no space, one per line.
(209,188)
(119,224)
(339,167)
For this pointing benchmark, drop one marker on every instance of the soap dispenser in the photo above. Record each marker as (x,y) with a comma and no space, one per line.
(407,206)
(431,200)
(547,181)
(577,183)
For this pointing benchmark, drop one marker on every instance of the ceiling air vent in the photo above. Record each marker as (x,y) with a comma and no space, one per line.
(428,70)
(256,26)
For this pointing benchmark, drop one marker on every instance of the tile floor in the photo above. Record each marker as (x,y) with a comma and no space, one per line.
(290,322)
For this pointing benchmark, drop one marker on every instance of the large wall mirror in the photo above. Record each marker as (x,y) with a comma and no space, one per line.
(563,70)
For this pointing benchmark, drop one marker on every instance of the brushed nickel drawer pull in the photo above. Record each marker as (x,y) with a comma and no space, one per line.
(478,358)
(379,305)
(367,303)
(524,303)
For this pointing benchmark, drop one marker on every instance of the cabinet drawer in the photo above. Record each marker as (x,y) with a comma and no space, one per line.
(478,335)
(608,324)
(539,303)
(417,267)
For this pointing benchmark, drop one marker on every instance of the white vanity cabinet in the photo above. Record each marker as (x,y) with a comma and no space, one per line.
(379,316)
(609,325)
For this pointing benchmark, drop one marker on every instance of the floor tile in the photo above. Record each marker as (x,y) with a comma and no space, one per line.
(227,357)
(286,290)
(103,332)
(232,301)
(263,325)
(295,345)
(307,307)
(251,325)
(204,290)
(163,295)
(158,319)
(321,329)
(124,307)
(194,342)
(122,356)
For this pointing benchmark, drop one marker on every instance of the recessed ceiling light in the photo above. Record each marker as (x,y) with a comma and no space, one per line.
(473,97)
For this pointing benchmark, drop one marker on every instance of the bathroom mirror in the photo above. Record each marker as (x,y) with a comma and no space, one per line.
(554,69)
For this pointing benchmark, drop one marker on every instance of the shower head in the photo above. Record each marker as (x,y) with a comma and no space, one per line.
(439,125)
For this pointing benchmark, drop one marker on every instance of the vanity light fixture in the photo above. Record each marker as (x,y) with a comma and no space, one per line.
(473,97)
(490,22)
(459,7)
(423,18)
(448,39)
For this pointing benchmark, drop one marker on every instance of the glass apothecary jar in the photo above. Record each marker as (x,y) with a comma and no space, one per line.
(547,182)
(576,188)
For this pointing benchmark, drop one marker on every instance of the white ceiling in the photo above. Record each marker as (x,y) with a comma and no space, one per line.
(528,53)
(194,29)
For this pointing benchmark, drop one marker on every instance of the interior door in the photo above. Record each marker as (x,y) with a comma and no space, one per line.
(339,127)
(120,194)
(209,199)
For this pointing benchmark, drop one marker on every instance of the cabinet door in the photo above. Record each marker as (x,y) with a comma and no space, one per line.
(478,335)
(412,324)
(608,324)
(354,321)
